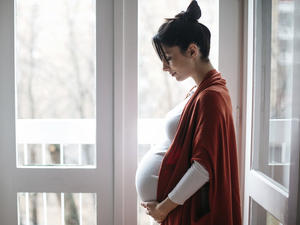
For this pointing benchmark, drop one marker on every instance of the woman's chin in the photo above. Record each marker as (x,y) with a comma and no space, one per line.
(180,78)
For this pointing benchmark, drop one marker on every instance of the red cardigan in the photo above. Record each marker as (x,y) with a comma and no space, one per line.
(206,134)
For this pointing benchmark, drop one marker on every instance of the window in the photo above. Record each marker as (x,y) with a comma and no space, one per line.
(56,112)
(272,112)
(55,83)
(260,216)
(57,208)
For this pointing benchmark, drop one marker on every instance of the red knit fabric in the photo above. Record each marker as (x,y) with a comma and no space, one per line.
(206,134)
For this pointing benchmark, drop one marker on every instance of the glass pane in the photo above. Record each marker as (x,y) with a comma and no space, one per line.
(158,92)
(57,208)
(259,216)
(273,89)
(55,82)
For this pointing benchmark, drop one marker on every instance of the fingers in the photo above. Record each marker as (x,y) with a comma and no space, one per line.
(144,205)
(152,211)
(148,205)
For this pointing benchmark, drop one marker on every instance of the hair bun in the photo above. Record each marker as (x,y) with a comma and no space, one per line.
(193,12)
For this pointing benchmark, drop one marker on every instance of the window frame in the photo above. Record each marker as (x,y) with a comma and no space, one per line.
(294,196)
(125,110)
(281,204)
(126,76)
(231,66)
(117,81)
(69,180)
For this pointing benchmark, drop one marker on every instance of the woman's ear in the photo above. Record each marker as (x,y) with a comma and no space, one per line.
(193,50)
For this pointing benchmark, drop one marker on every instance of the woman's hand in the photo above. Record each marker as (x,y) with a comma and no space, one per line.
(159,211)
(154,211)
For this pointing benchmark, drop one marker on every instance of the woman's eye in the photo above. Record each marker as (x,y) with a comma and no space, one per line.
(168,58)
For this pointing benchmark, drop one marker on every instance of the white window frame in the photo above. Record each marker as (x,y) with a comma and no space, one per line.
(231,64)
(79,180)
(294,192)
(117,93)
(256,186)
(126,76)
(281,204)
(125,111)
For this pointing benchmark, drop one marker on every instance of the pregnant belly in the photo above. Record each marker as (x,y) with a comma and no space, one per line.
(147,176)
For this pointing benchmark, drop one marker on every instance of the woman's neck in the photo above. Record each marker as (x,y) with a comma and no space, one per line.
(201,70)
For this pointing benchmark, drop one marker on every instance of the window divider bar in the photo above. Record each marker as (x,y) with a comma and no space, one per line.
(80,154)
(80,208)
(18,208)
(44,154)
(27,208)
(25,154)
(45,207)
(61,153)
(62,202)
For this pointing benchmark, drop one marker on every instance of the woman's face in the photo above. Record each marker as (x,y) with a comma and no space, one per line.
(178,65)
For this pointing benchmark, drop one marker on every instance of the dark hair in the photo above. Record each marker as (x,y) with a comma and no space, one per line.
(183,30)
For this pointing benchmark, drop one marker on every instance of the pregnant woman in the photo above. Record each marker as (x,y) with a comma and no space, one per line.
(148,170)
(192,178)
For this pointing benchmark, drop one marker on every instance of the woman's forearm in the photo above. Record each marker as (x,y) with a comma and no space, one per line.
(166,206)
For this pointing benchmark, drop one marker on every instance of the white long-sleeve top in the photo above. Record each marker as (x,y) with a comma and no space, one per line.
(192,181)
(148,170)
